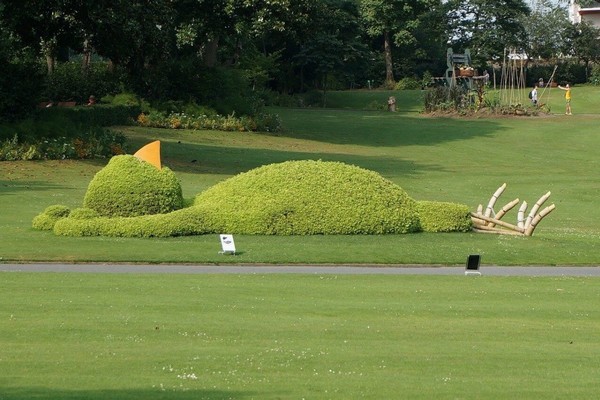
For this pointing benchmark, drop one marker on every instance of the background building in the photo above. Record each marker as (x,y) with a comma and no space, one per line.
(590,12)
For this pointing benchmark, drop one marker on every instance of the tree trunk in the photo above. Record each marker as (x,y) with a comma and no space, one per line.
(587,68)
(50,62)
(87,55)
(324,90)
(49,51)
(210,54)
(389,65)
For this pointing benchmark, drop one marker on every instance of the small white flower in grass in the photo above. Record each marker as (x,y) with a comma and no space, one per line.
(191,376)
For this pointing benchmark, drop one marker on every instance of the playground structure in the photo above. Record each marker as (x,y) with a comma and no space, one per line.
(459,71)
(461,74)
(489,221)
(512,81)
(513,88)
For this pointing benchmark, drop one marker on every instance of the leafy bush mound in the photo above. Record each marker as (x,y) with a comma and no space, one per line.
(408,83)
(129,187)
(308,198)
(444,217)
(83,213)
(184,222)
(46,220)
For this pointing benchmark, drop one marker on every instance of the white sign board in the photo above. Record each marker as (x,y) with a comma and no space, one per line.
(227,244)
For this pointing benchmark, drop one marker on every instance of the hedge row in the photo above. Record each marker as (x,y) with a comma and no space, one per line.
(98,115)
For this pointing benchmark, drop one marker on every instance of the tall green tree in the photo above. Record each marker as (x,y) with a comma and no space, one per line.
(584,43)
(487,27)
(201,25)
(45,26)
(204,26)
(397,23)
(430,52)
(546,29)
(131,33)
(333,49)
(20,80)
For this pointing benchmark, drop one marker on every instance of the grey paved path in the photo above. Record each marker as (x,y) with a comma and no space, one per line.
(295,269)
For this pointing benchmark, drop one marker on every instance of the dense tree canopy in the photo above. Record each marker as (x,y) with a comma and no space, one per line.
(397,22)
(171,48)
(20,81)
(582,41)
(546,29)
(486,27)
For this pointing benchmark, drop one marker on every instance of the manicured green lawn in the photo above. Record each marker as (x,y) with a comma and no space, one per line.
(441,158)
(99,336)
(141,336)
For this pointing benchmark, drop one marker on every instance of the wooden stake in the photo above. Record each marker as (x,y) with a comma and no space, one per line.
(506,208)
(535,208)
(538,218)
(521,215)
(492,202)
(498,222)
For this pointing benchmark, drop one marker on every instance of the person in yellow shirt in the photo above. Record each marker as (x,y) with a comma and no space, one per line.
(567,90)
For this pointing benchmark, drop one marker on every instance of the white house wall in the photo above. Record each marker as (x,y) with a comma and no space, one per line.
(579,14)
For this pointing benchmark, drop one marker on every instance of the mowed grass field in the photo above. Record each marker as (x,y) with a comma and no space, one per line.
(433,158)
(136,336)
(300,336)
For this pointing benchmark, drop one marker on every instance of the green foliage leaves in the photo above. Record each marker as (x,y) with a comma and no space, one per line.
(68,121)
(59,142)
(408,84)
(444,98)
(444,217)
(20,79)
(13,150)
(46,220)
(183,222)
(71,82)
(307,198)
(546,28)
(128,187)
(489,27)
(264,122)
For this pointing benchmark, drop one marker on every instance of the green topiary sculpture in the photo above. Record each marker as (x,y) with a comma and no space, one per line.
(129,187)
(132,198)
(307,198)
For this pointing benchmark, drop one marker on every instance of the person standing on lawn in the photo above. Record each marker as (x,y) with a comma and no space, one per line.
(534,95)
(567,90)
